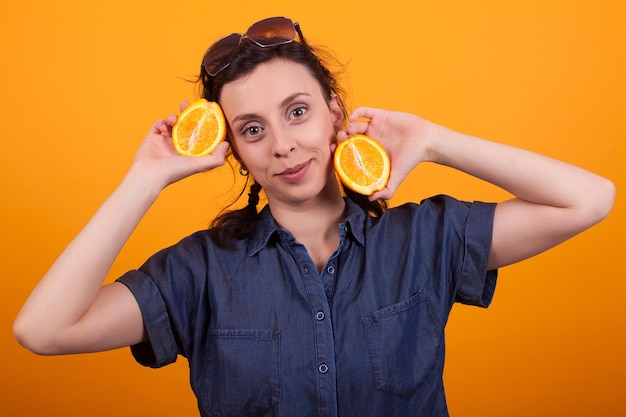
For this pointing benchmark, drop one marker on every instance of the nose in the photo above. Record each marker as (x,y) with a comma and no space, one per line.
(282,143)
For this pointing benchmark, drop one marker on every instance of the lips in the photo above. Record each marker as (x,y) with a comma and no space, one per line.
(295,173)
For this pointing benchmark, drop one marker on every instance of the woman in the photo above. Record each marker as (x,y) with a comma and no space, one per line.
(317,304)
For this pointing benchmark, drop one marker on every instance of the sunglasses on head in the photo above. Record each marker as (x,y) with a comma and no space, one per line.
(272,31)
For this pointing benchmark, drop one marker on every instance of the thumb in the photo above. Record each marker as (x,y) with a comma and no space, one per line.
(213,160)
(390,189)
(220,151)
(384,194)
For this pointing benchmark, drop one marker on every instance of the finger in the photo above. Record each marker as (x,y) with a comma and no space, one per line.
(357,127)
(205,163)
(220,151)
(217,157)
(342,135)
(183,105)
(390,189)
(384,194)
(378,195)
(171,119)
(362,113)
(159,127)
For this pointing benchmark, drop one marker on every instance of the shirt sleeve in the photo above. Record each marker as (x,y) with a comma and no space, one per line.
(476,284)
(168,287)
(453,244)
(160,349)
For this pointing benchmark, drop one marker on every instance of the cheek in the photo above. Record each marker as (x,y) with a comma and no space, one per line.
(237,153)
(249,158)
(331,139)
(255,157)
(325,134)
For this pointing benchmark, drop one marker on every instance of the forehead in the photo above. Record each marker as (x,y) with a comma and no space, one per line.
(267,85)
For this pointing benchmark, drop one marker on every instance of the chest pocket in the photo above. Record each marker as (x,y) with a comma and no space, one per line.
(404,344)
(242,375)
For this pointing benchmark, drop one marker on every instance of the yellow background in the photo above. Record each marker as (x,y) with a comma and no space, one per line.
(82,81)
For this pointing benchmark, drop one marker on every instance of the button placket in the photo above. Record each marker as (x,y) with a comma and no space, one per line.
(324,344)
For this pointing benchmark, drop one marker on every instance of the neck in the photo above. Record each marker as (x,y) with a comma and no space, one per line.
(310,218)
(314,224)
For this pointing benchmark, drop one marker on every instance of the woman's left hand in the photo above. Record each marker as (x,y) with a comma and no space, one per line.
(403,135)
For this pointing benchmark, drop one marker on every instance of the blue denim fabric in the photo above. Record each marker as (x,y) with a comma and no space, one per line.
(265,334)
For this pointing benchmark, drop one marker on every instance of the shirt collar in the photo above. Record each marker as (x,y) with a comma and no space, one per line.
(353,224)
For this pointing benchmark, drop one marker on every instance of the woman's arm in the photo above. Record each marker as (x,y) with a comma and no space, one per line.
(553,200)
(70,311)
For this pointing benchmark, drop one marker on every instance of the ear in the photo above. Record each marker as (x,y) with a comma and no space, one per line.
(336,112)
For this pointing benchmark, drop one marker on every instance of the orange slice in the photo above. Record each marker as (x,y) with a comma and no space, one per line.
(199,129)
(362,164)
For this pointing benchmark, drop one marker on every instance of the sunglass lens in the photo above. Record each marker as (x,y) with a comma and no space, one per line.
(216,58)
(272,31)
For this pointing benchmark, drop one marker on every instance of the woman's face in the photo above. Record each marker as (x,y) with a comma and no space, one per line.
(282,128)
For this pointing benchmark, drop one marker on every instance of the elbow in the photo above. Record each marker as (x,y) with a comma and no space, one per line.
(602,201)
(596,205)
(31,338)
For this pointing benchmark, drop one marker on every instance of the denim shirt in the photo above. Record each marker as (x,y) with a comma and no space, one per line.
(265,334)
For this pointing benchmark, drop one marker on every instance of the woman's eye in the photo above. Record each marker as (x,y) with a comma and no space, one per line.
(252,131)
(298,112)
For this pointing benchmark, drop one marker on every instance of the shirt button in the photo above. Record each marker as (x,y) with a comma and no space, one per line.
(323,368)
(320,315)
(330,269)
(306,269)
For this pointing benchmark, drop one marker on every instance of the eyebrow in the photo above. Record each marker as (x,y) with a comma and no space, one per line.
(285,102)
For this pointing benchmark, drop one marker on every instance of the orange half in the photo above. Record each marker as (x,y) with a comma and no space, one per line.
(199,129)
(362,164)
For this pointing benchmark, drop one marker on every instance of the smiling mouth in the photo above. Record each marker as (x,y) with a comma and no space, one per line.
(293,170)
(294,173)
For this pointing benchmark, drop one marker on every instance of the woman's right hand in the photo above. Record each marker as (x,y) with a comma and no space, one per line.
(89,316)
(157,158)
